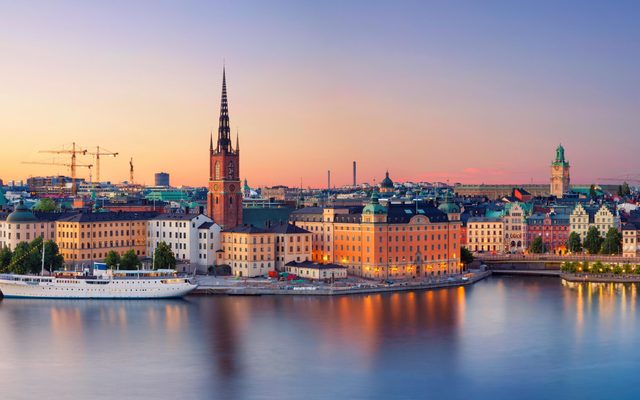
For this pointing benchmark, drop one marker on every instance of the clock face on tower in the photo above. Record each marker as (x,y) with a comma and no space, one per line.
(556,167)
(232,188)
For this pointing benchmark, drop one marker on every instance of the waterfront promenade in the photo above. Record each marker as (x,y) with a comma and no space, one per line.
(252,287)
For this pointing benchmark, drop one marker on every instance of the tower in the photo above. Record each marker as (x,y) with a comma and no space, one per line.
(559,174)
(224,200)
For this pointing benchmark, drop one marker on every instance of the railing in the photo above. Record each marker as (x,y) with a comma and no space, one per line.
(555,258)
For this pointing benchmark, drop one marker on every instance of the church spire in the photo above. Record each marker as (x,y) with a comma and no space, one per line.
(237,140)
(224,134)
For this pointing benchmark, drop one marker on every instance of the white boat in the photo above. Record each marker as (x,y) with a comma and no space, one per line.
(101,284)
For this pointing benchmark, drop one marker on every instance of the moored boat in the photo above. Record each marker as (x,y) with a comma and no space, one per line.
(102,283)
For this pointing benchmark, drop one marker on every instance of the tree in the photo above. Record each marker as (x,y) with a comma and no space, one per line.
(5,259)
(20,253)
(537,246)
(612,243)
(163,257)
(465,256)
(46,205)
(129,260)
(112,259)
(568,266)
(593,241)
(574,244)
(53,260)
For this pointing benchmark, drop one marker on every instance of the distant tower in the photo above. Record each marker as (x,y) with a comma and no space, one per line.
(559,174)
(162,179)
(354,174)
(224,200)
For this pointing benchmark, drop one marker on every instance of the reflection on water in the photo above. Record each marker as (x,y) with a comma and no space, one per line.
(530,337)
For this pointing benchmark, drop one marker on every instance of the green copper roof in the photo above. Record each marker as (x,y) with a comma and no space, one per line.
(560,157)
(21,214)
(374,206)
(448,206)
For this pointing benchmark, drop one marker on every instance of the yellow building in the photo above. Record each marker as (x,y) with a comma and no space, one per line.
(485,234)
(631,240)
(584,217)
(248,250)
(311,270)
(293,244)
(252,251)
(88,237)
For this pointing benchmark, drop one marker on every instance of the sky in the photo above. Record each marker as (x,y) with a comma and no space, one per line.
(458,91)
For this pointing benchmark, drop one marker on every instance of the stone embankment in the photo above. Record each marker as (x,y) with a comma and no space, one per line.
(325,290)
(603,278)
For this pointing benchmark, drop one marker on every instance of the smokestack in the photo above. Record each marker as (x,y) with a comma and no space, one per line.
(354,173)
(328,181)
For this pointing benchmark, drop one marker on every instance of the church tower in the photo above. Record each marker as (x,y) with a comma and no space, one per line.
(224,200)
(559,174)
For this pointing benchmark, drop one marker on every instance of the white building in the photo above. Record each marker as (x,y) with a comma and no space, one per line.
(22,225)
(193,238)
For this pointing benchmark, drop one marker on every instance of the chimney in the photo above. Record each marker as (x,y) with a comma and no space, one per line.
(354,174)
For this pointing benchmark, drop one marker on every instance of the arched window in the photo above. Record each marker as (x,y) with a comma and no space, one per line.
(216,199)
(216,170)
(230,199)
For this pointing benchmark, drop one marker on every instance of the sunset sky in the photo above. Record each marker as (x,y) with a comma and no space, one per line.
(478,91)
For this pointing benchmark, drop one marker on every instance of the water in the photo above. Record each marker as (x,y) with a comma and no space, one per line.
(504,338)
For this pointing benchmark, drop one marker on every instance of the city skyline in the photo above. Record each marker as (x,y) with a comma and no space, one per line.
(390,95)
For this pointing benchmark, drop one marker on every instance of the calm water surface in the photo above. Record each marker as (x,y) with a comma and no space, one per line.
(504,338)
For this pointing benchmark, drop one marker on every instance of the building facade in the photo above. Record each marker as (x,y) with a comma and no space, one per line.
(315,271)
(631,240)
(23,225)
(393,241)
(603,217)
(515,227)
(560,181)
(553,228)
(485,234)
(87,237)
(251,251)
(193,238)
(224,200)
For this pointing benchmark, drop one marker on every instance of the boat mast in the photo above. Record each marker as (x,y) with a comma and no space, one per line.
(42,267)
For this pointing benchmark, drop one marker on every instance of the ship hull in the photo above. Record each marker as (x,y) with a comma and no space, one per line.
(95,289)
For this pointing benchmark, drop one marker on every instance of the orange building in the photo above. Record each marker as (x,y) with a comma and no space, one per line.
(88,237)
(397,240)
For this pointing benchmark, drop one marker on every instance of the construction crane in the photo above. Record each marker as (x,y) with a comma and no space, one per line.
(74,187)
(100,152)
(131,171)
(74,151)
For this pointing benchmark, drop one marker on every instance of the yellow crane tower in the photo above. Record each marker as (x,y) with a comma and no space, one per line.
(101,152)
(131,171)
(74,151)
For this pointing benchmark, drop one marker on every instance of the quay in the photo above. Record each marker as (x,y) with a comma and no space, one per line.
(316,290)
(601,278)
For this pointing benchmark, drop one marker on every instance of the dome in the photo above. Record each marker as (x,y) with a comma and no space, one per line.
(448,206)
(374,206)
(386,183)
(21,214)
